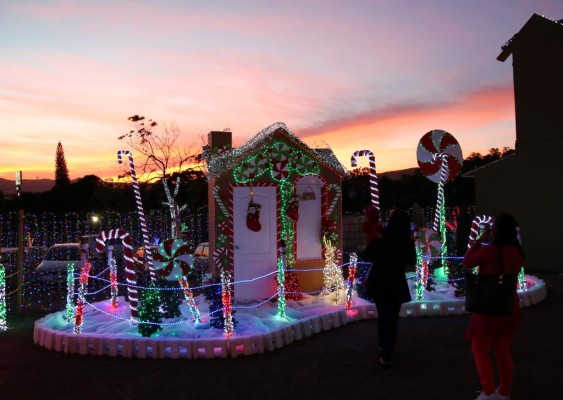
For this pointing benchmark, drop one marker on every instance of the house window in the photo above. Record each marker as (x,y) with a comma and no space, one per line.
(308,231)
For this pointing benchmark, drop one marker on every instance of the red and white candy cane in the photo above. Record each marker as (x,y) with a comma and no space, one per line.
(140,211)
(477,221)
(441,184)
(130,273)
(372,174)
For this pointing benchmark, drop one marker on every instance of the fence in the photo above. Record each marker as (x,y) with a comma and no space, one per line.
(44,230)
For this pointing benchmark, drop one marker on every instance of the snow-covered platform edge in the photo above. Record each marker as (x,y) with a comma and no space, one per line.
(139,347)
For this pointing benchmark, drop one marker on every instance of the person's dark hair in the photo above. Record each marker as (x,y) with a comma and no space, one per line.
(506,232)
(398,225)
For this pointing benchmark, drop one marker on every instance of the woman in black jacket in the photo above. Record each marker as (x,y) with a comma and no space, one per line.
(387,283)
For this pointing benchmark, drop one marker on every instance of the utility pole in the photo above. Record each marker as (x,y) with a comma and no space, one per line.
(20,257)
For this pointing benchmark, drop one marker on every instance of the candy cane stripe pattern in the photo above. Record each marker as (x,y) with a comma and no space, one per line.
(173,259)
(372,174)
(338,192)
(140,211)
(129,271)
(431,147)
(440,200)
(477,221)
(429,243)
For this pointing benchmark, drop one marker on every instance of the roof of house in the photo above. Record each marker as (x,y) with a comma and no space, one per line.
(217,164)
(507,48)
(471,174)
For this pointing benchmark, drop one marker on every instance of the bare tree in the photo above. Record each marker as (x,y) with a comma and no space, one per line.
(160,148)
(161,153)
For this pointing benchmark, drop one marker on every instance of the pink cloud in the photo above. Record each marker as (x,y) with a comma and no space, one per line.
(479,120)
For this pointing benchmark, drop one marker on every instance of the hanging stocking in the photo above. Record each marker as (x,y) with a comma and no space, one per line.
(253,217)
(293,208)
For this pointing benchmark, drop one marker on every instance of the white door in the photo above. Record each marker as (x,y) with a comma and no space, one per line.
(255,252)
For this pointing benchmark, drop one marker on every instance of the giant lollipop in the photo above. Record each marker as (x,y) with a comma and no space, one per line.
(172,259)
(433,148)
(439,158)
(429,243)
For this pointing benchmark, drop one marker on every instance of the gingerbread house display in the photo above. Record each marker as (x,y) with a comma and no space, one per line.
(273,196)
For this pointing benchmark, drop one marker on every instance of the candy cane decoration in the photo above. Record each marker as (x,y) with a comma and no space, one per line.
(477,221)
(189,297)
(140,211)
(374,191)
(338,190)
(129,271)
(440,200)
(219,201)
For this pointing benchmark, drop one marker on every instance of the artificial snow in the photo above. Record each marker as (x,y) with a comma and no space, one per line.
(110,332)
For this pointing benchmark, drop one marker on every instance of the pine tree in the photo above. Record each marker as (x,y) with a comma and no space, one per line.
(61,170)
(170,299)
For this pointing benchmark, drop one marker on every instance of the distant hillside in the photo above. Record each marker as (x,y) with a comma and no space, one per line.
(8,187)
(28,185)
(397,174)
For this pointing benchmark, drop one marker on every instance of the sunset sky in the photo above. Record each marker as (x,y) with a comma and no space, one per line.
(350,74)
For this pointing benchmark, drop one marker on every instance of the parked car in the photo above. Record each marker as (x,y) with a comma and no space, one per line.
(54,266)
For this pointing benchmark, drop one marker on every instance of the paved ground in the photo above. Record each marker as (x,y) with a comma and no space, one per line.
(433,361)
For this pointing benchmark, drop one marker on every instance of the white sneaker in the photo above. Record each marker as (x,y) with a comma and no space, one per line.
(483,396)
(502,396)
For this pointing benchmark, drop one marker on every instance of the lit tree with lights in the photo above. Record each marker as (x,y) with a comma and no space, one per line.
(149,311)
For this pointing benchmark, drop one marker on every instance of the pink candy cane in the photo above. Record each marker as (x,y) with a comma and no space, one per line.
(131,275)
(372,174)
(140,211)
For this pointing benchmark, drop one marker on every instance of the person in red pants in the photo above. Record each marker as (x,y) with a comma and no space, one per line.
(495,246)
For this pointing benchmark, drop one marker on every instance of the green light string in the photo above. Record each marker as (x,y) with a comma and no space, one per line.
(70,292)
(443,237)
(419,285)
(3,320)
(287,233)
(281,288)
(522,280)
(264,161)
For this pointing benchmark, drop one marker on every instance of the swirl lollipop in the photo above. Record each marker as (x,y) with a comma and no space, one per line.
(172,259)
(439,158)
(435,146)
(429,243)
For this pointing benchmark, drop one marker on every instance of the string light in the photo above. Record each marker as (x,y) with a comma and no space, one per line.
(227,306)
(113,285)
(281,287)
(78,315)
(332,273)
(189,297)
(351,278)
(421,275)
(3,320)
(70,292)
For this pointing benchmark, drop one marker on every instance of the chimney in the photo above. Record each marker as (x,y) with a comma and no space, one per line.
(219,141)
